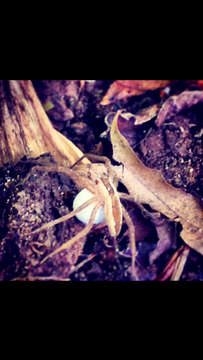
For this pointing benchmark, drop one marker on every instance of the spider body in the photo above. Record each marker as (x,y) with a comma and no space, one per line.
(100,180)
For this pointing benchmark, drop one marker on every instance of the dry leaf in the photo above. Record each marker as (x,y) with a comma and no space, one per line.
(175,265)
(177,103)
(121,89)
(180,263)
(200,83)
(166,235)
(146,114)
(148,186)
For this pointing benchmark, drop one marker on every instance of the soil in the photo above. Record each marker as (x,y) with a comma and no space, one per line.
(31,197)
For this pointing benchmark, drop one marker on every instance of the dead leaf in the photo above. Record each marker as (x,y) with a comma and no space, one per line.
(177,103)
(180,263)
(146,114)
(166,235)
(148,186)
(121,89)
(175,265)
(200,83)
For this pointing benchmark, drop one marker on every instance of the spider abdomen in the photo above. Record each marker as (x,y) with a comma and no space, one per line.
(84,215)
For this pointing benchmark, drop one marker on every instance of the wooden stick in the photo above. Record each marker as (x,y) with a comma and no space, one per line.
(25,128)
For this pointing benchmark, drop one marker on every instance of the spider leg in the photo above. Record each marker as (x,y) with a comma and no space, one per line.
(132,242)
(75,238)
(93,157)
(98,158)
(65,217)
(128,197)
(82,263)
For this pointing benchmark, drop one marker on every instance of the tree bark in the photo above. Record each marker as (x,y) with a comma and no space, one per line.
(25,128)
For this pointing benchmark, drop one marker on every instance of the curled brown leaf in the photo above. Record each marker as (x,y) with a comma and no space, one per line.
(121,89)
(148,186)
(177,103)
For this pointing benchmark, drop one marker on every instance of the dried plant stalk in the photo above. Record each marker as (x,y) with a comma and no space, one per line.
(25,128)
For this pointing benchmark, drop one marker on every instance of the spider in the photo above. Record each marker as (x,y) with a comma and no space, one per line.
(101,181)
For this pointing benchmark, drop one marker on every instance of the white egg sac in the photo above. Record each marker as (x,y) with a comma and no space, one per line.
(84,215)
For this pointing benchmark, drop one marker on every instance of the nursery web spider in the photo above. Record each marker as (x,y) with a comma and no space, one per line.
(100,180)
